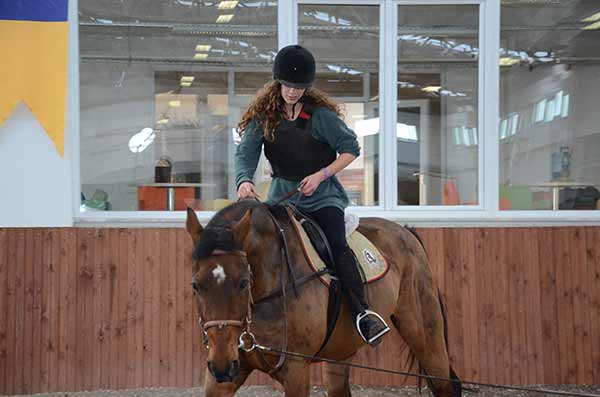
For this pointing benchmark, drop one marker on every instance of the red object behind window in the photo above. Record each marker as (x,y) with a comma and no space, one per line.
(155,198)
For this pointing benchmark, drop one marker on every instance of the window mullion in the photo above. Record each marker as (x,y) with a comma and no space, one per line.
(489,105)
(287,22)
(387,116)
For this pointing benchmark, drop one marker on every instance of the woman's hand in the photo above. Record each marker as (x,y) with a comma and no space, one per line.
(310,184)
(246,190)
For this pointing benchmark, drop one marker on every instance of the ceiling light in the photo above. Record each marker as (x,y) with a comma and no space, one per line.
(203,47)
(508,61)
(592,18)
(162,121)
(175,104)
(224,18)
(186,84)
(187,79)
(227,4)
(431,88)
(200,56)
(594,26)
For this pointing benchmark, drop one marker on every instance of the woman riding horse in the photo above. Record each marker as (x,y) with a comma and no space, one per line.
(241,280)
(302,135)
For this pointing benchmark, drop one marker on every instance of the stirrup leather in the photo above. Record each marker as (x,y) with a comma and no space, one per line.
(364,314)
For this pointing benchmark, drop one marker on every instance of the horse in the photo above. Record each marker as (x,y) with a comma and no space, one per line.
(241,272)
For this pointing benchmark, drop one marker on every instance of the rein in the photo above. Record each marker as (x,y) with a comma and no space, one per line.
(288,196)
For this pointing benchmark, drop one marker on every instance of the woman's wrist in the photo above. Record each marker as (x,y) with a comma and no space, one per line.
(326,172)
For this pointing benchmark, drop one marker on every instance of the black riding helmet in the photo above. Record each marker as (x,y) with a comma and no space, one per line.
(294,66)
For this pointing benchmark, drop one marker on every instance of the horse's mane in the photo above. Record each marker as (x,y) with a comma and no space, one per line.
(218,235)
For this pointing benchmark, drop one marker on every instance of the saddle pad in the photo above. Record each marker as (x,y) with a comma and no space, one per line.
(373,264)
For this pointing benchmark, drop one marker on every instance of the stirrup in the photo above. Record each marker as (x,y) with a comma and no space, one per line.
(364,314)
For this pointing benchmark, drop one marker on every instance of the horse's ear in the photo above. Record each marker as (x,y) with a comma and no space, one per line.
(242,228)
(193,226)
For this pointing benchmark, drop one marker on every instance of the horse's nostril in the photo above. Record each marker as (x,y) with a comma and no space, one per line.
(211,367)
(234,368)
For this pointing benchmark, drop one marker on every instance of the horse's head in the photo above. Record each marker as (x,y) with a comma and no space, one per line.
(221,282)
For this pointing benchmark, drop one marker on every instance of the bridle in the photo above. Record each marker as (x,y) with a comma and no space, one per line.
(246,336)
(244,324)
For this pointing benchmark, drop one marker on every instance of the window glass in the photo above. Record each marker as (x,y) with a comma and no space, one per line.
(159,100)
(549,84)
(345,42)
(437,135)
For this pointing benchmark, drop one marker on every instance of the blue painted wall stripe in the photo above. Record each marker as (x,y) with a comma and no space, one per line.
(34,10)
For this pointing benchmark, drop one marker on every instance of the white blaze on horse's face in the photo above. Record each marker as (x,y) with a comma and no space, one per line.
(219,273)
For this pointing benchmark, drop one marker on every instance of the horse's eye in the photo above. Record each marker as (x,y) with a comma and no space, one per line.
(244,284)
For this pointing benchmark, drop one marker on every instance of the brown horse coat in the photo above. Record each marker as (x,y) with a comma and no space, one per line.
(407,296)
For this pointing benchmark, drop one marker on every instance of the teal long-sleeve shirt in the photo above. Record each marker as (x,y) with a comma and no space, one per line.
(328,128)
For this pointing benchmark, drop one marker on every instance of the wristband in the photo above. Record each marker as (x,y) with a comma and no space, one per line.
(326,172)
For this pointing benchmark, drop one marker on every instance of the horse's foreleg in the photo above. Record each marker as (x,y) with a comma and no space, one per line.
(338,380)
(227,389)
(294,376)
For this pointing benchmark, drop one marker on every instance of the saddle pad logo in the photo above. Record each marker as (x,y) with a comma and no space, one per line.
(370,258)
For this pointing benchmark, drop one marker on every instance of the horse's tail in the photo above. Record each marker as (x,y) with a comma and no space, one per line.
(413,231)
(411,358)
(456,384)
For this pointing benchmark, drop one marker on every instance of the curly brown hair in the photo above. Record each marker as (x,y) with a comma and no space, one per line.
(267,108)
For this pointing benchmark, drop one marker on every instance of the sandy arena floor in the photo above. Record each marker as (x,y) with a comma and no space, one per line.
(357,391)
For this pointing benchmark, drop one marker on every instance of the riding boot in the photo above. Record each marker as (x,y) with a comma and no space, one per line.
(370,325)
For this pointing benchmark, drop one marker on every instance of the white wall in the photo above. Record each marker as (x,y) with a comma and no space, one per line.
(34,179)
(36,188)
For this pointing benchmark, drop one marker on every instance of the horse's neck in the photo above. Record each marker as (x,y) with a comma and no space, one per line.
(268,260)
(266,274)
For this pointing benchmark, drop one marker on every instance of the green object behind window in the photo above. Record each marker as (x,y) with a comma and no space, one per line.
(519,196)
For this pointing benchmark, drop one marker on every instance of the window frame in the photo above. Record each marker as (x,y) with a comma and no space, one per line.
(487,213)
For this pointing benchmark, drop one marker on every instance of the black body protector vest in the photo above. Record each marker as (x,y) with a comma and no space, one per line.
(295,154)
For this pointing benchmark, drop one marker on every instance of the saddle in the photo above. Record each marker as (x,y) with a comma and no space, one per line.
(372,264)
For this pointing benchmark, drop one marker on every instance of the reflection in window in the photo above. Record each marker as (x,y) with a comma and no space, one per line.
(167,79)
(437,145)
(547,110)
(553,162)
(345,42)
(509,125)
(466,136)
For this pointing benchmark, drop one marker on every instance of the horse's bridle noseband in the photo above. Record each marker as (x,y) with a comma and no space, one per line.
(220,324)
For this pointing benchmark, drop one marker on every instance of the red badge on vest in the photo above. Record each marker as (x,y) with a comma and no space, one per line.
(304,115)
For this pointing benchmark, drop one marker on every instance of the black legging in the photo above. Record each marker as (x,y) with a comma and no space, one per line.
(331,221)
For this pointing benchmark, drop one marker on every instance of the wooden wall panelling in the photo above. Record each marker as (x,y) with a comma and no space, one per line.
(593,270)
(581,305)
(532,299)
(4,298)
(566,342)
(550,351)
(518,342)
(113,308)
(136,308)
(186,312)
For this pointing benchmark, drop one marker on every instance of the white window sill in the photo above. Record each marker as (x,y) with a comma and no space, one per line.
(419,217)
